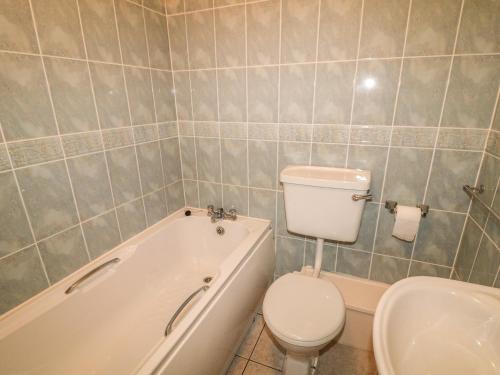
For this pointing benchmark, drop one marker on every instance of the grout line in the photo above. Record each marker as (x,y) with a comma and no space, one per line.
(49,91)
(246,108)
(98,122)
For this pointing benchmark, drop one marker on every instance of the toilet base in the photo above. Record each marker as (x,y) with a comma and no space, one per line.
(300,365)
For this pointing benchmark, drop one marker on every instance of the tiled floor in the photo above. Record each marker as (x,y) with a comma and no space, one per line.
(260,354)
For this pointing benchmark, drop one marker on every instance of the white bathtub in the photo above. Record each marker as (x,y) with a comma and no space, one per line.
(115,321)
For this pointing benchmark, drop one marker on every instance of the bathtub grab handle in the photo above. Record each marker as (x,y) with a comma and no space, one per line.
(77,283)
(170,324)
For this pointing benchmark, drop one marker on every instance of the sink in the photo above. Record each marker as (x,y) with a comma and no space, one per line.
(433,326)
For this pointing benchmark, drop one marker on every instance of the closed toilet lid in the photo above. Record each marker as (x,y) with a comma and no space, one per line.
(304,310)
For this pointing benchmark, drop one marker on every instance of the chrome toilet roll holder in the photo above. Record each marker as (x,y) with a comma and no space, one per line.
(392,205)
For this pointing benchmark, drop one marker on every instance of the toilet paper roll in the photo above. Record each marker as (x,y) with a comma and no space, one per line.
(406,223)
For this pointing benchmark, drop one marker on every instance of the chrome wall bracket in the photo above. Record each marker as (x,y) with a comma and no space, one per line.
(392,206)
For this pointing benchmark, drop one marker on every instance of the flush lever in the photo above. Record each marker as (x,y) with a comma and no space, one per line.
(358,197)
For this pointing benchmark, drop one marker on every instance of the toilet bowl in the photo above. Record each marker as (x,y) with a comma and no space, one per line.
(305,313)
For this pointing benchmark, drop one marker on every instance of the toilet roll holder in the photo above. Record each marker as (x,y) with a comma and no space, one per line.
(392,205)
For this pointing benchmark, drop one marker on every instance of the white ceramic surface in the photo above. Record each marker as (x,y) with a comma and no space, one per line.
(433,326)
(318,201)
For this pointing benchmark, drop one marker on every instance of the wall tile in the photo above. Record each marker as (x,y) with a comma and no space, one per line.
(49,201)
(233,130)
(328,155)
(4,158)
(183,95)
(123,173)
(132,33)
(406,136)
(296,93)
(263,32)
(230,36)
(232,94)
(262,164)
(426,269)
(339,29)
(376,87)
(35,151)
(289,255)
(175,197)
(198,4)
(117,138)
(299,28)
(422,91)
(58,28)
(493,143)
(432,28)
(18,33)
(206,129)
(234,162)
(156,208)
(385,243)
(329,256)
(25,99)
(171,160)
(388,270)
(111,100)
(263,94)
(200,26)
(370,135)
(204,89)
(150,168)
(479,27)
(468,249)
(372,159)
(131,218)
(353,262)
(99,29)
(157,36)
(174,6)
(164,95)
(472,91)
(188,158)
(101,234)
(292,153)
(21,277)
(178,42)
(145,133)
(156,5)
(72,95)
(210,193)
(281,228)
(14,229)
(488,177)
(140,95)
(331,133)
(334,93)
(235,197)
(90,182)
(384,25)
(407,185)
(450,171)
(64,253)
(81,143)
(262,204)
(208,165)
(186,128)
(486,264)
(366,234)
(295,132)
(263,131)
(434,243)
(191,191)
(168,130)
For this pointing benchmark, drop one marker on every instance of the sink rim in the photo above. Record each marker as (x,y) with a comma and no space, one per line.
(381,351)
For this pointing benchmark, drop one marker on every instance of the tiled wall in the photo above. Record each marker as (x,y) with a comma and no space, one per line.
(89,152)
(404,88)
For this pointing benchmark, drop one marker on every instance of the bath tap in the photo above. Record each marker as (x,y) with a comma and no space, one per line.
(220,214)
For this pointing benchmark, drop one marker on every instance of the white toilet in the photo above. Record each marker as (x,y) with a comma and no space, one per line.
(303,312)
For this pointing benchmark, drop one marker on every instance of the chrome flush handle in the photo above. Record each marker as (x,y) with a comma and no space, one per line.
(358,197)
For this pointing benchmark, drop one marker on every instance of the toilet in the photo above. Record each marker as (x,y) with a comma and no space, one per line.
(305,313)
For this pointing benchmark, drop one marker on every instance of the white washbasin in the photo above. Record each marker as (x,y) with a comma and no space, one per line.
(433,326)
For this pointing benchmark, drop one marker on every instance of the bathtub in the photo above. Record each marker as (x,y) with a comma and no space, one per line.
(114,322)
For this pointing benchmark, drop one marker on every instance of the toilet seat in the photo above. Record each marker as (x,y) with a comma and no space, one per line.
(304,310)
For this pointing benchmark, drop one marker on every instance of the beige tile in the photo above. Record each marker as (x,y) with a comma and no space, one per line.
(343,360)
(246,347)
(257,369)
(237,366)
(267,352)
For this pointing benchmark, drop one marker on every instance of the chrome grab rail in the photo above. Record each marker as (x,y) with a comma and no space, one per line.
(170,324)
(77,283)
(473,192)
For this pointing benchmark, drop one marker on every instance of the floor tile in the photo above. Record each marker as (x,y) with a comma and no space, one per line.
(267,351)
(344,360)
(254,368)
(250,340)
(237,366)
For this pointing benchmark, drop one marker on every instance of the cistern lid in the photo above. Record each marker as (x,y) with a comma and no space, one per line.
(304,310)
(338,178)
